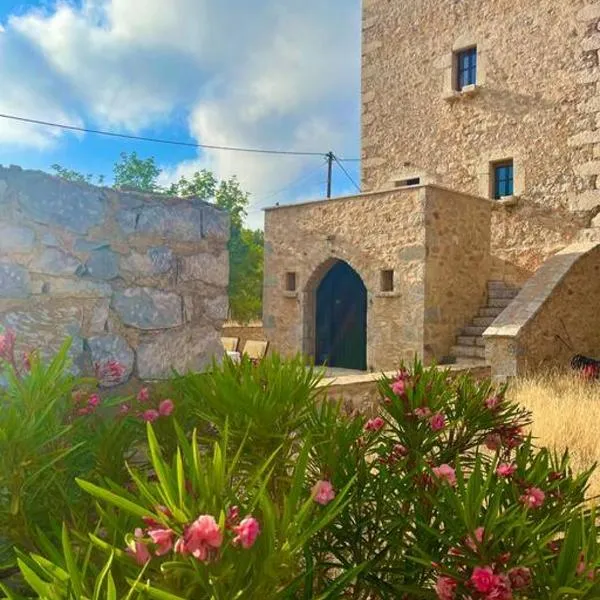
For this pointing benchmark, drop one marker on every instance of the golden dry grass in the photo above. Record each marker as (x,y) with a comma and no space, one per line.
(566,411)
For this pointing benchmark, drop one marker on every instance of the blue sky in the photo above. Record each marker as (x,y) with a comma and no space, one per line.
(279,74)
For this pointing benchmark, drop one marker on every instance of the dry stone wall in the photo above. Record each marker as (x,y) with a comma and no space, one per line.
(141,279)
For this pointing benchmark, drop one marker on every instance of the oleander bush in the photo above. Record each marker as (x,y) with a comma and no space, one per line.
(246,481)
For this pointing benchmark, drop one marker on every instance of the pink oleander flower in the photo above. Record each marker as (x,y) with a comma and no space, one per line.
(114,369)
(7,344)
(201,538)
(399,450)
(150,415)
(445,588)
(124,409)
(445,473)
(82,412)
(137,549)
(533,497)
(166,407)
(493,402)
(423,412)
(520,578)
(493,441)
(512,437)
(505,469)
(374,424)
(399,387)
(323,492)
(94,400)
(163,538)
(143,395)
(502,590)
(437,422)
(484,579)
(473,541)
(246,532)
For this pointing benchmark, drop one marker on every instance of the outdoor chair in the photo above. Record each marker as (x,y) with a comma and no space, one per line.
(230,343)
(255,350)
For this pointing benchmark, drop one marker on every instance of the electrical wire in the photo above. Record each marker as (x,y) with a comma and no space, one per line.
(161,140)
(346,172)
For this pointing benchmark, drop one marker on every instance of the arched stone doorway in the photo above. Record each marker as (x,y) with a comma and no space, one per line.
(340,319)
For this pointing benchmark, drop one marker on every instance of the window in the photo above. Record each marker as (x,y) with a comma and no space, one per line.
(290,282)
(408,182)
(503,179)
(387,280)
(466,68)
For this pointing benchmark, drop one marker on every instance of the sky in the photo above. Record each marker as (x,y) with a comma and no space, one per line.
(277,74)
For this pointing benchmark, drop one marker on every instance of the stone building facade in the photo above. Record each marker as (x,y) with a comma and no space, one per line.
(535,101)
(432,243)
(498,103)
(137,278)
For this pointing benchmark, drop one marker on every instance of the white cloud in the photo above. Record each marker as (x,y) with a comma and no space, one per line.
(276,73)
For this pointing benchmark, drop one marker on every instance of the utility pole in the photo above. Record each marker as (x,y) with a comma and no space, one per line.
(329,172)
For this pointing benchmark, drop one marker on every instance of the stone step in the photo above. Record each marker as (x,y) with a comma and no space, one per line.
(498,302)
(483,321)
(490,311)
(469,340)
(502,292)
(470,361)
(473,330)
(468,351)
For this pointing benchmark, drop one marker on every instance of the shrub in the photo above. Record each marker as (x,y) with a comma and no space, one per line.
(262,486)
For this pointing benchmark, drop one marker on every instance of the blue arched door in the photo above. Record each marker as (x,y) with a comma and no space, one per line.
(341,319)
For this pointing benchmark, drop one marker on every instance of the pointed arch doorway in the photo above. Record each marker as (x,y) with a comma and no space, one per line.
(341,319)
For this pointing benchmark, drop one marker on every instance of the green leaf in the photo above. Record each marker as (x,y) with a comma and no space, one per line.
(70,562)
(111,498)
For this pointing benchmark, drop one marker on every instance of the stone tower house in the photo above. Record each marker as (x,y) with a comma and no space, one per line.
(480,162)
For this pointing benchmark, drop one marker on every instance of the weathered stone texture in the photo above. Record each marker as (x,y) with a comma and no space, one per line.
(440,262)
(69,266)
(146,308)
(183,350)
(535,91)
(554,316)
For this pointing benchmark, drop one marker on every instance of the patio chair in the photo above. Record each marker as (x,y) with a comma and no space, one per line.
(230,343)
(255,350)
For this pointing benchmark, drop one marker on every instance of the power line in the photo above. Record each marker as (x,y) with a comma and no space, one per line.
(159,140)
(346,172)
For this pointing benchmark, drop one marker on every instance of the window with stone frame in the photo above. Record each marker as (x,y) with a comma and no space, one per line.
(466,68)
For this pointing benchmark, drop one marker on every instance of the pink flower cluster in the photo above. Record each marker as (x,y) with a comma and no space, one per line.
(323,492)
(509,436)
(201,539)
(401,383)
(488,584)
(374,424)
(84,404)
(445,473)
(164,409)
(109,372)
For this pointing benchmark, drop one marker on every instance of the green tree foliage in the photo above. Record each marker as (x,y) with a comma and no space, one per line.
(245,245)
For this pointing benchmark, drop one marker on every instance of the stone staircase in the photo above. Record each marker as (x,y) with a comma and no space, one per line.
(470,345)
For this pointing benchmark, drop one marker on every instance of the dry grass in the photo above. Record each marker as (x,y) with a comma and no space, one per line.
(565,415)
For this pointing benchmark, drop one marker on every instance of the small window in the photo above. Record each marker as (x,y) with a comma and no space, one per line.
(503,179)
(387,280)
(466,68)
(290,282)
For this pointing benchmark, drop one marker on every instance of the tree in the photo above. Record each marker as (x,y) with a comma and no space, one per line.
(246,253)
(71,175)
(137,173)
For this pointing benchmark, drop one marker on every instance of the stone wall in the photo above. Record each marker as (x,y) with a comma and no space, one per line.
(457,265)
(554,317)
(137,278)
(376,232)
(536,101)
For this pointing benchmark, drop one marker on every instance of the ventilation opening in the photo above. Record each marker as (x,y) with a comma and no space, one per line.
(387,280)
(408,182)
(290,282)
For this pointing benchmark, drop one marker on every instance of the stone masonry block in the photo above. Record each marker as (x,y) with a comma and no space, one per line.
(53,261)
(208,268)
(106,348)
(14,238)
(14,281)
(147,308)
